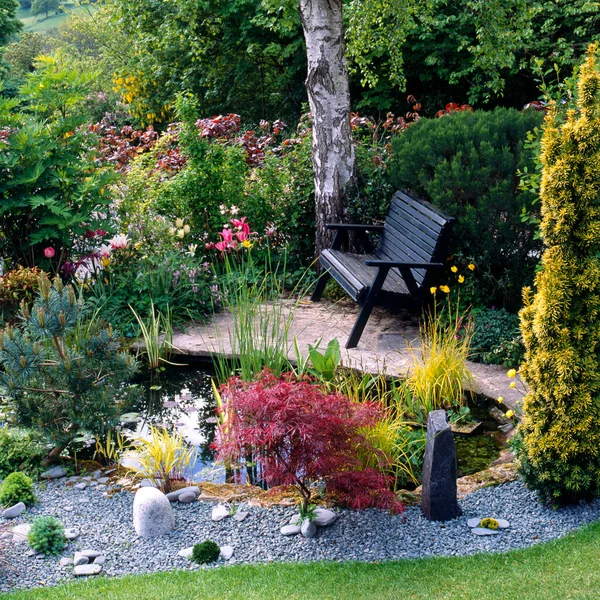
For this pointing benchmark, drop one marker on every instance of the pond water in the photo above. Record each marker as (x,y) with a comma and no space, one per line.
(182,399)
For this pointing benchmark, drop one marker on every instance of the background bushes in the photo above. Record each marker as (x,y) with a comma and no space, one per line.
(466,163)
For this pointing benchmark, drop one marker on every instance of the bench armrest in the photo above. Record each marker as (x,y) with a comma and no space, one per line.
(392,264)
(353,227)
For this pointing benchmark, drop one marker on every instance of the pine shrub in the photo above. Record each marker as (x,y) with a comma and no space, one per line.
(47,535)
(559,445)
(206,552)
(17,487)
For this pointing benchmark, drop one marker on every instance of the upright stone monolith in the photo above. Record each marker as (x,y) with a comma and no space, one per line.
(438,499)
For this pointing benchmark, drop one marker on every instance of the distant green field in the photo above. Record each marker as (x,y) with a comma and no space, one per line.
(42,25)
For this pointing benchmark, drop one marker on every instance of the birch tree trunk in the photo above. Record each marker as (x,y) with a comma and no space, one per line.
(329,98)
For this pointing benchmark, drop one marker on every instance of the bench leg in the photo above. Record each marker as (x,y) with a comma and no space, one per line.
(367,308)
(321,283)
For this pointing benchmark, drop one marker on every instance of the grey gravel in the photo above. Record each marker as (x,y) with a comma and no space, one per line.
(370,535)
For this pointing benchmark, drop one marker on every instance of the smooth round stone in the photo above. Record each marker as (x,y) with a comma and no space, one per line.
(483,531)
(65,561)
(14,511)
(473,523)
(226,552)
(91,553)
(80,486)
(324,517)
(152,513)
(86,570)
(308,528)
(219,512)
(20,532)
(187,497)
(100,560)
(176,495)
(240,515)
(296,519)
(186,552)
(72,534)
(290,530)
(80,559)
(503,524)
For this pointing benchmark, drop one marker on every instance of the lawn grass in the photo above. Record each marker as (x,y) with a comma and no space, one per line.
(40,24)
(563,570)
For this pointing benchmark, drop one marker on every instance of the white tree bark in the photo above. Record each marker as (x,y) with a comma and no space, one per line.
(329,98)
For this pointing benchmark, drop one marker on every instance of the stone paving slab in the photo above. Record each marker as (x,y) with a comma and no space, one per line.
(386,345)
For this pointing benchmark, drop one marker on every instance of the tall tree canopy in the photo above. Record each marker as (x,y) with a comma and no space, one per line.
(9,24)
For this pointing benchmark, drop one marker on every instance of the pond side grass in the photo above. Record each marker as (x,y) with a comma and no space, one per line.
(560,570)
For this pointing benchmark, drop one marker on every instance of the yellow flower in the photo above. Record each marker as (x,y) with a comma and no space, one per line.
(409,428)
(180,233)
(461,279)
(510,413)
(471,267)
(172,230)
(433,290)
(179,223)
(511,373)
(512,384)
(105,262)
(454,269)
(500,399)
(247,244)
(445,289)
(186,229)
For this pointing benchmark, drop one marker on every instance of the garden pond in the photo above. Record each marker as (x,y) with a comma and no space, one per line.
(182,399)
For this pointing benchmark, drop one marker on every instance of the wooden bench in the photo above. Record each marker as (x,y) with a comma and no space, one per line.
(413,245)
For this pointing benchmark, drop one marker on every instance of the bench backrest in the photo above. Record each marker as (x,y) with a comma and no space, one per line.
(414,230)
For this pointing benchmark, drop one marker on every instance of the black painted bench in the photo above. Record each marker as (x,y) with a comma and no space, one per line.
(413,245)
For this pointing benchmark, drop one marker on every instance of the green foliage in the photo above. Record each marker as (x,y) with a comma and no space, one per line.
(17,487)
(47,535)
(21,450)
(496,338)
(324,365)
(43,7)
(9,24)
(58,382)
(206,552)
(560,436)
(51,189)
(489,523)
(466,163)
(20,55)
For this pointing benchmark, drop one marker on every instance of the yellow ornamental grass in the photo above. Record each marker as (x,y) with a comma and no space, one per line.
(560,432)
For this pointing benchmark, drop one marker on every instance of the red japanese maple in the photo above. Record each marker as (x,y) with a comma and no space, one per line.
(299,434)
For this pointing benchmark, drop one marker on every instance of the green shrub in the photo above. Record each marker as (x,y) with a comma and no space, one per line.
(466,163)
(496,338)
(20,450)
(47,535)
(17,487)
(559,450)
(206,552)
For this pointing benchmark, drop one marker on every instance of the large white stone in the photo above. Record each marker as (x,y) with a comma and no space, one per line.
(324,517)
(219,512)
(226,552)
(86,570)
(152,513)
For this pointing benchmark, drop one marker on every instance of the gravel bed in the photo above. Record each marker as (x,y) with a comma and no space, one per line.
(372,535)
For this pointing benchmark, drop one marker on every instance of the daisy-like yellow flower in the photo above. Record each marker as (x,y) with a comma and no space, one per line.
(511,373)
(454,269)
(461,279)
(512,384)
(445,289)
(433,290)
(247,244)
(500,399)
(510,413)
(471,267)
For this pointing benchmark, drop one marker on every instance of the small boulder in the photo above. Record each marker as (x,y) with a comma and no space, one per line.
(100,560)
(54,473)
(80,486)
(219,512)
(308,528)
(152,513)
(226,552)
(80,559)
(324,517)
(186,552)
(86,570)
(91,554)
(20,533)
(240,515)
(483,531)
(174,496)
(187,497)
(14,511)
(289,530)
(65,561)
(72,534)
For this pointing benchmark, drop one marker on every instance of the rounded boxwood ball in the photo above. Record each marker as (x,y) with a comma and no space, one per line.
(206,552)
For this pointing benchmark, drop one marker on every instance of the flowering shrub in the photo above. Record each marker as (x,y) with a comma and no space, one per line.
(17,286)
(299,435)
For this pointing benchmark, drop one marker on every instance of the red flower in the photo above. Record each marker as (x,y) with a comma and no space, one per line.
(49,252)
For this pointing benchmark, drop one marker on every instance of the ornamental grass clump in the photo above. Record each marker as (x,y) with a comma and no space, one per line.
(559,445)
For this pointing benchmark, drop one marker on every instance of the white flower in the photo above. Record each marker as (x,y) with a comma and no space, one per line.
(234,210)
(180,233)
(104,251)
(192,249)
(119,241)
(186,229)
(179,223)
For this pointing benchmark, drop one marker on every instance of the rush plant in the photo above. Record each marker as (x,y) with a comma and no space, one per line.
(559,450)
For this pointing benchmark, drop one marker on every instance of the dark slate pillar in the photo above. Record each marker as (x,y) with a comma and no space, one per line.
(438,500)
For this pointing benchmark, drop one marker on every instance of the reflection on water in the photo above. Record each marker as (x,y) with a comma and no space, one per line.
(182,399)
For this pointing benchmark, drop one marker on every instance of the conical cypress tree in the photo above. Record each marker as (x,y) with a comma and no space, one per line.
(560,433)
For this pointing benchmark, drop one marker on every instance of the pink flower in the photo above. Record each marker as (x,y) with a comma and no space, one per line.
(227,240)
(104,251)
(119,241)
(243,227)
(49,252)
